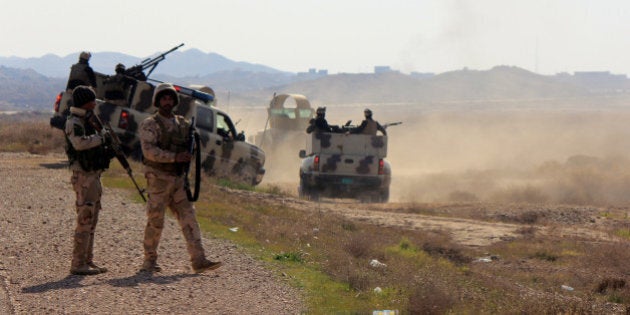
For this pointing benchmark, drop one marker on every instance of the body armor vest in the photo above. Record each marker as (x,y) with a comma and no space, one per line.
(172,141)
(370,127)
(81,74)
(94,159)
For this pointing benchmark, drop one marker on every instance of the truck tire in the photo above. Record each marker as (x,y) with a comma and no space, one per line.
(306,192)
(384,195)
(303,189)
(246,174)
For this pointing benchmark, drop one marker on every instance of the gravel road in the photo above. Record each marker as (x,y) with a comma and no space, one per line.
(36,228)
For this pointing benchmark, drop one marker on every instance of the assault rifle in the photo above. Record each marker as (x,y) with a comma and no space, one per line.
(111,137)
(392,124)
(137,71)
(194,144)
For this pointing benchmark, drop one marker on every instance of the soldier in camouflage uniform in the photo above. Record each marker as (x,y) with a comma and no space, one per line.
(369,126)
(89,157)
(81,73)
(163,137)
(319,123)
(117,86)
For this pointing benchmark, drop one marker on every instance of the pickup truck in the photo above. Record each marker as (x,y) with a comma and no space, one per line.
(341,165)
(224,152)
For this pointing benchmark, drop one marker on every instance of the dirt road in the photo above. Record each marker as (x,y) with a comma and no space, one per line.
(36,227)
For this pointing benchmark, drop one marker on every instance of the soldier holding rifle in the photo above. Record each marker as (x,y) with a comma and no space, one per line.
(163,137)
(89,156)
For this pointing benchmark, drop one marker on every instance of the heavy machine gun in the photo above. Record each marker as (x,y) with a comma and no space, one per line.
(149,64)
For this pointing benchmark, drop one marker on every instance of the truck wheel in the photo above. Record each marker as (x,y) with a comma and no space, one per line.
(306,192)
(303,190)
(246,174)
(384,195)
(313,195)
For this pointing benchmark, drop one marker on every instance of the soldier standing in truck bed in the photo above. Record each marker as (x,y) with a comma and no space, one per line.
(319,123)
(81,73)
(164,138)
(118,86)
(369,126)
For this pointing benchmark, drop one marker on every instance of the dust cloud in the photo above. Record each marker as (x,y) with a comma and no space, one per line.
(579,156)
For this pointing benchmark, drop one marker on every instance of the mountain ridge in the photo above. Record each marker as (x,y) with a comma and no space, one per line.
(247,84)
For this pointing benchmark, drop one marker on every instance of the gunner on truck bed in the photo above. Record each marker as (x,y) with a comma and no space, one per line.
(369,126)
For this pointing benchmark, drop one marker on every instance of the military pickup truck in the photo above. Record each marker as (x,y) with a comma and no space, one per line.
(224,152)
(340,165)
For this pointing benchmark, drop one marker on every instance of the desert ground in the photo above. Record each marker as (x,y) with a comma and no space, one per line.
(481,176)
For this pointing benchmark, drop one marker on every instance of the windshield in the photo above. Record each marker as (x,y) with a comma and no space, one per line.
(225,127)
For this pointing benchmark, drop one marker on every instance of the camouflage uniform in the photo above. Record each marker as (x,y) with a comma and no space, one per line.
(88,158)
(161,139)
(319,123)
(117,86)
(369,126)
(81,73)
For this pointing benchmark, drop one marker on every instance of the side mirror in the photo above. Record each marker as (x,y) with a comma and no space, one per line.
(302,154)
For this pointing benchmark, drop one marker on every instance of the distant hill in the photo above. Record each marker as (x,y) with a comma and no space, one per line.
(191,62)
(499,84)
(254,85)
(27,90)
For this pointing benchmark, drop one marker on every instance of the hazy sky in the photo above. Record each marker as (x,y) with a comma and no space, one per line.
(544,36)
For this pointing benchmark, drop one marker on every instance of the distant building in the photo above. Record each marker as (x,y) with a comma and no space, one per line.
(597,81)
(313,73)
(382,69)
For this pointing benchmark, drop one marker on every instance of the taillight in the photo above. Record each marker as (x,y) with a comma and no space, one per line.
(123,122)
(57,102)
(316,163)
(381,167)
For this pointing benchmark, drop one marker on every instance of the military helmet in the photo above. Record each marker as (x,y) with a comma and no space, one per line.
(85,55)
(367,112)
(82,95)
(321,110)
(161,89)
(120,68)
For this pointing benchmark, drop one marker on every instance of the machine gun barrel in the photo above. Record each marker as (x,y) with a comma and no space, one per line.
(392,124)
(137,71)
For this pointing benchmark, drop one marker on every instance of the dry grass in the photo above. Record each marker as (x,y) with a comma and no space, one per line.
(425,272)
(30,132)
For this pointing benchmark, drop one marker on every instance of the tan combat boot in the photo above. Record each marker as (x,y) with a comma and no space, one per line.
(94,266)
(79,265)
(204,265)
(84,270)
(150,266)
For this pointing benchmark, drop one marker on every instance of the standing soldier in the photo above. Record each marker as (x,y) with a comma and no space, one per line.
(369,126)
(117,86)
(81,73)
(88,156)
(164,138)
(319,123)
